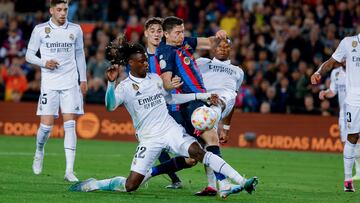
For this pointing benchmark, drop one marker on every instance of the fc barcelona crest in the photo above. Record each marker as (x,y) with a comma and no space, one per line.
(135,87)
(47,30)
(71,36)
(354,44)
(187,60)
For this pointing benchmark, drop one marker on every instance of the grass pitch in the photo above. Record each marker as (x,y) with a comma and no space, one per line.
(284,176)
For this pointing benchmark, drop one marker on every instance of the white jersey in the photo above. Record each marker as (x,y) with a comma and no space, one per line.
(337,85)
(144,100)
(349,49)
(58,43)
(220,77)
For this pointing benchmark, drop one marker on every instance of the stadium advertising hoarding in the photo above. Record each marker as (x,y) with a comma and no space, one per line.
(282,132)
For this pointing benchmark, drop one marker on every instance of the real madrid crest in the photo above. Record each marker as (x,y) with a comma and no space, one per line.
(135,87)
(187,60)
(47,30)
(354,44)
(71,36)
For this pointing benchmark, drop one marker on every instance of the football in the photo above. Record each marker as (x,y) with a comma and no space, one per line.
(203,118)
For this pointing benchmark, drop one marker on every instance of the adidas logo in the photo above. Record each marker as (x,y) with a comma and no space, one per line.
(47,36)
(354,50)
(77,108)
(138,93)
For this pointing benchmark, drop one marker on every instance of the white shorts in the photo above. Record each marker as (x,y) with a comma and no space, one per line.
(69,100)
(342,125)
(352,117)
(175,141)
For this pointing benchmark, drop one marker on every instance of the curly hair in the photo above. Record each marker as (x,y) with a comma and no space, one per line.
(120,51)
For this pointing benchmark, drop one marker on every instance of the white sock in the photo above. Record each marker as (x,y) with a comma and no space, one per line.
(357,159)
(219,165)
(210,177)
(42,136)
(113,184)
(349,151)
(70,144)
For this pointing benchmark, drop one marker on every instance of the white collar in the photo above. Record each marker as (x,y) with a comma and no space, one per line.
(228,62)
(52,25)
(136,79)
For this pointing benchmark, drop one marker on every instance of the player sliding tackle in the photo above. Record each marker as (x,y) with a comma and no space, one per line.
(143,95)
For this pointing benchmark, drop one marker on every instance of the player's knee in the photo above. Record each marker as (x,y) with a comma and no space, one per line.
(210,137)
(196,152)
(353,138)
(190,162)
(131,186)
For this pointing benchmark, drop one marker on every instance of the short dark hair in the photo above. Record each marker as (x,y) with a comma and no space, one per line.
(53,3)
(170,22)
(153,21)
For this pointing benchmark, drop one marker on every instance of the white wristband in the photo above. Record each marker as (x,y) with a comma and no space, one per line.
(226,127)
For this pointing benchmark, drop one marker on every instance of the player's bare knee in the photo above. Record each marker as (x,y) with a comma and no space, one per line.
(190,162)
(196,152)
(210,137)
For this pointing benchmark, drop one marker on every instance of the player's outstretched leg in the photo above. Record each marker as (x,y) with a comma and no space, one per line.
(119,183)
(42,136)
(91,184)
(175,180)
(220,166)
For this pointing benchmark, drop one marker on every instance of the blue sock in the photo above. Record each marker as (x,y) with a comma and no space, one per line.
(164,156)
(170,166)
(216,150)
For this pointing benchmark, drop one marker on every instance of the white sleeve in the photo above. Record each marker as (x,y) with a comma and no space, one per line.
(201,63)
(33,47)
(179,98)
(240,79)
(340,51)
(333,86)
(80,56)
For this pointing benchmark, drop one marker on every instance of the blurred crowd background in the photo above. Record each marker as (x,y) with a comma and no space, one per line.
(278,43)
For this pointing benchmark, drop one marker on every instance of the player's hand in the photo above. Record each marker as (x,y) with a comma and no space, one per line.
(214,99)
(112,73)
(83,87)
(315,78)
(176,82)
(221,34)
(223,136)
(51,64)
(322,95)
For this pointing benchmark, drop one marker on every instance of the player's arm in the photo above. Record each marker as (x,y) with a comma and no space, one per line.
(168,65)
(80,61)
(224,132)
(208,42)
(183,98)
(113,97)
(170,82)
(337,56)
(33,47)
(326,94)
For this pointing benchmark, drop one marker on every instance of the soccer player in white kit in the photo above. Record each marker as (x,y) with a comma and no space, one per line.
(348,49)
(62,62)
(224,79)
(337,86)
(143,94)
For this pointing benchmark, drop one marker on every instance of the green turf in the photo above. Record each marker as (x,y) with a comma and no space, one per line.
(284,176)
